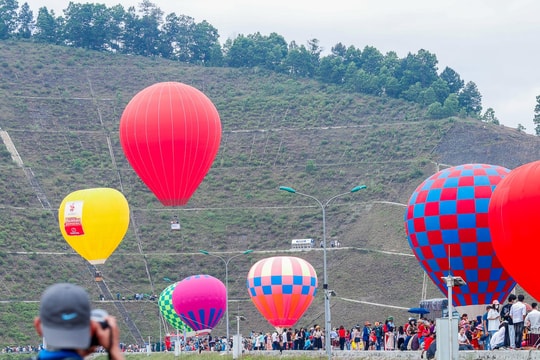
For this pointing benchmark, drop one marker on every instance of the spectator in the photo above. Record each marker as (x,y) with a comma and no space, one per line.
(463,340)
(366,331)
(342,337)
(518,311)
(66,327)
(498,338)
(493,318)
(427,343)
(532,321)
(505,315)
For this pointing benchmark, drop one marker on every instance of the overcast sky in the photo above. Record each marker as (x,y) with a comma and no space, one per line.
(493,43)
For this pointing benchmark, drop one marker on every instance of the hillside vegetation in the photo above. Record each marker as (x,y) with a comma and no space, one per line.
(61,108)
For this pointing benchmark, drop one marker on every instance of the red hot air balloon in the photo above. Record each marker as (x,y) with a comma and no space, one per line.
(170,133)
(447,227)
(282,288)
(200,301)
(513,215)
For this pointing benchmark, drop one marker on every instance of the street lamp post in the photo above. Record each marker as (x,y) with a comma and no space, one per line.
(226,262)
(451,281)
(327,292)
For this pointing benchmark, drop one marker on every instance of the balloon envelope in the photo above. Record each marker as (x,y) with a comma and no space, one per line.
(167,309)
(447,228)
(200,301)
(282,288)
(94,222)
(170,133)
(513,219)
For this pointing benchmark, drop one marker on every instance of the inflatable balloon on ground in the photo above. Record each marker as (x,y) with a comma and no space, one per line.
(200,301)
(446,222)
(513,216)
(282,288)
(167,309)
(94,222)
(170,133)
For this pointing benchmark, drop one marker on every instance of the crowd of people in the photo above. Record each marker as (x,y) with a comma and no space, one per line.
(377,336)
(67,323)
(511,326)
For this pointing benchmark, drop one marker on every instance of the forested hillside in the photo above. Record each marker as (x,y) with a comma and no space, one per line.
(61,107)
(146,30)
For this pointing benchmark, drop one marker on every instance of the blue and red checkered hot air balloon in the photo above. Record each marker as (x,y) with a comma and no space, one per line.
(282,288)
(447,227)
(200,301)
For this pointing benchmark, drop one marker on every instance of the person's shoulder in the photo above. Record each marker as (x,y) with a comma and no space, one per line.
(61,357)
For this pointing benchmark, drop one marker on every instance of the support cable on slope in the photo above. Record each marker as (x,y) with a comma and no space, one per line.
(103,286)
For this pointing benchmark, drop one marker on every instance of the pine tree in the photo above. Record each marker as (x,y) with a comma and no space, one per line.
(536,119)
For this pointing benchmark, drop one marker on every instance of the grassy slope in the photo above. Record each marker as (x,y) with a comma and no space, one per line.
(59,105)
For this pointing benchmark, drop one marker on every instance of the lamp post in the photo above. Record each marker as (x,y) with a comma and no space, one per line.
(238,345)
(451,281)
(327,292)
(226,262)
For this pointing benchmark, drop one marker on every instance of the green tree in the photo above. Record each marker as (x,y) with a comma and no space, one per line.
(390,63)
(48,27)
(332,69)
(205,48)
(116,29)
(413,92)
(142,33)
(389,85)
(489,117)
(339,50)
(470,99)
(427,97)
(299,61)
(536,119)
(387,75)
(451,105)
(8,17)
(239,52)
(353,55)
(440,89)
(176,38)
(372,60)
(90,26)
(365,83)
(26,22)
(418,68)
(452,79)
(257,50)
(436,111)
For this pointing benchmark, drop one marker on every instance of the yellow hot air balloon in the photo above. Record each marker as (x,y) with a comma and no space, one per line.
(94,222)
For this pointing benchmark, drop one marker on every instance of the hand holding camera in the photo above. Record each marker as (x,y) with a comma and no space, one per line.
(105,333)
(99,316)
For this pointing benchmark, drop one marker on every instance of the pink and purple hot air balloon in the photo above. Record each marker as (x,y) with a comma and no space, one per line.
(447,227)
(200,301)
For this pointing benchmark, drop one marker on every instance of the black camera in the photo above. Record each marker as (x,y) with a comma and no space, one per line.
(100,316)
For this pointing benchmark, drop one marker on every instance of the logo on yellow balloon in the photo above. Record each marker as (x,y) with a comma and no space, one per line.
(73,218)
